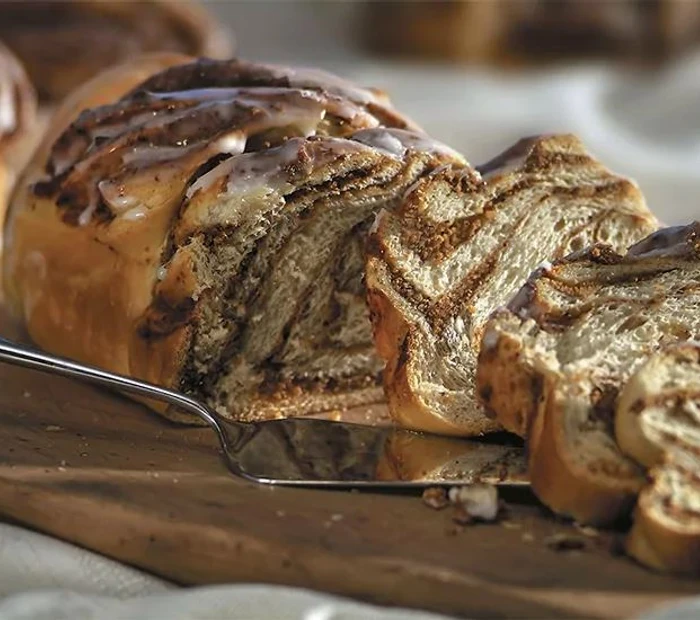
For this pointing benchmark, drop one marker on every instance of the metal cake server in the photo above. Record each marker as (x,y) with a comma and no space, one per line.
(315,453)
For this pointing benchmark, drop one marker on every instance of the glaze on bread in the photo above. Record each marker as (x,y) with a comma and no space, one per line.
(553,363)
(657,423)
(17,123)
(64,43)
(461,245)
(206,232)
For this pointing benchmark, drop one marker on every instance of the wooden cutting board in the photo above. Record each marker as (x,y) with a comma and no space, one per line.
(105,473)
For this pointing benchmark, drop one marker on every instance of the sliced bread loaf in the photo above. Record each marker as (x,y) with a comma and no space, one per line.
(460,245)
(552,364)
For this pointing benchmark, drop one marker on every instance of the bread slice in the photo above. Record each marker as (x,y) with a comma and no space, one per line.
(460,245)
(657,423)
(205,231)
(553,363)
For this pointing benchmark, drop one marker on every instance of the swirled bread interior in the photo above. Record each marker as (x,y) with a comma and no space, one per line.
(552,365)
(461,245)
(206,232)
(657,423)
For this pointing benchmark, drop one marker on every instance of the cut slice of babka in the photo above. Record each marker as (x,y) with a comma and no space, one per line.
(553,363)
(657,423)
(460,245)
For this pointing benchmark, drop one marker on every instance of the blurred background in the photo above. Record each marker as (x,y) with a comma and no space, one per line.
(623,74)
(477,74)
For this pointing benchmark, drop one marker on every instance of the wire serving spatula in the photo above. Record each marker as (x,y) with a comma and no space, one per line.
(310,452)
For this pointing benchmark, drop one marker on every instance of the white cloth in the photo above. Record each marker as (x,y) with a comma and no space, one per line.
(644,126)
(42,578)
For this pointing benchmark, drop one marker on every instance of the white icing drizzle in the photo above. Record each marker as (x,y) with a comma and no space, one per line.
(490,340)
(382,140)
(305,110)
(86,214)
(8,113)
(188,128)
(11,77)
(396,142)
(248,172)
(137,213)
(147,155)
(113,195)
(666,242)
(264,172)
(304,76)
(233,143)
(509,160)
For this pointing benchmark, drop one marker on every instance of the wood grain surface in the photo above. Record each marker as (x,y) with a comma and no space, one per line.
(103,472)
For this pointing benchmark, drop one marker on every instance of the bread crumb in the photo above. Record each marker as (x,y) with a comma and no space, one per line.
(480,501)
(511,525)
(527,537)
(586,530)
(564,542)
(435,498)
(53,428)
(461,516)
(336,517)
(280,513)
(27,394)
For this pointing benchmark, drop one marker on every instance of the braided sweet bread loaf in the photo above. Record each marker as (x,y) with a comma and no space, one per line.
(206,232)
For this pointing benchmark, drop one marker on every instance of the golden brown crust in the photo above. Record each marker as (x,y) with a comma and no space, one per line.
(510,388)
(64,44)
(528,404)
(39,225)
(657,424)
(567,489)
(54,305)
(660,545)
(388,326)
